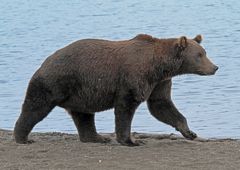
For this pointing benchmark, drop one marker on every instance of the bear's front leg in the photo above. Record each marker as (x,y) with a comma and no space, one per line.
(161,107)
(166,112)
(124,111)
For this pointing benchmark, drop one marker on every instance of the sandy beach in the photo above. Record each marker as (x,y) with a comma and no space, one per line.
(65,151)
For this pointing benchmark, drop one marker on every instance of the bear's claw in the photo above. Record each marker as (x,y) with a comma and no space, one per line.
(189,134)
(131,143)
(96,139)
(25,141)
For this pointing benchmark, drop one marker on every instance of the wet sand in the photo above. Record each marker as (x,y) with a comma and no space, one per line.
(65,151)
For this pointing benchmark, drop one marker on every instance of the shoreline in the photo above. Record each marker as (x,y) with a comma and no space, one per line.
(54,150)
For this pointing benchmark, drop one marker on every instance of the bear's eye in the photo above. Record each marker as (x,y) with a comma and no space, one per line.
(199,55)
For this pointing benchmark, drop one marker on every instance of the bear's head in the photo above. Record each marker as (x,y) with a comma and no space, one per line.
(194,58)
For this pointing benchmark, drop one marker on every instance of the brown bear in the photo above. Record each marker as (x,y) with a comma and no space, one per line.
(94,75)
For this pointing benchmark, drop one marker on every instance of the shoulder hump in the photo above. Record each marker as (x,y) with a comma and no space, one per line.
(144,37)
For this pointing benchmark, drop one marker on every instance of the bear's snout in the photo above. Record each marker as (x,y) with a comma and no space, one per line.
(213,71)
(207,72)
(215,68)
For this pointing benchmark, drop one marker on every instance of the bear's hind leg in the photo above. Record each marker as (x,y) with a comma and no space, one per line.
(35,108)
(86,127)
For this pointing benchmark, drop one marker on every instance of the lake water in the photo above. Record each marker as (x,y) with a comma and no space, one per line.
(32,30)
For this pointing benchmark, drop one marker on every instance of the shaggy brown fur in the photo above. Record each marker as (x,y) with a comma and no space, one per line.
(94,75)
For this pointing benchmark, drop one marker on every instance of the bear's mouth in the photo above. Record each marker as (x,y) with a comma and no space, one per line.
(205,74)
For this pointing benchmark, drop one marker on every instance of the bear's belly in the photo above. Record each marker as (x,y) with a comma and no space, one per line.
(89,103)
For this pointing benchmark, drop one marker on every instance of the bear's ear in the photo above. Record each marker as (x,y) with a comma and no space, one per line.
(198,39)
(182,42)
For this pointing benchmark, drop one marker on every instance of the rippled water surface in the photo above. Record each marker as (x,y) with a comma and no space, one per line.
(32,30)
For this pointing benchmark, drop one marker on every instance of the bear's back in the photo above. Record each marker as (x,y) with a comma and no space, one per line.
(99,55)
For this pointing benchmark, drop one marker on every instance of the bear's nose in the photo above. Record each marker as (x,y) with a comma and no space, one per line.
(216,68)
